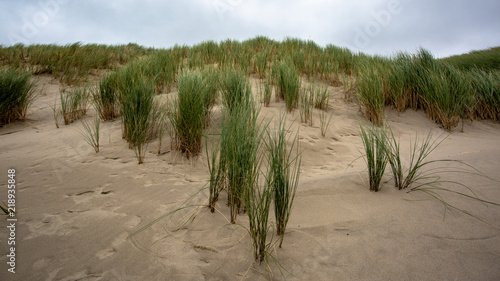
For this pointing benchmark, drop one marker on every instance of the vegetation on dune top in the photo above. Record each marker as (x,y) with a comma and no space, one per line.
(450,90)
(487,60)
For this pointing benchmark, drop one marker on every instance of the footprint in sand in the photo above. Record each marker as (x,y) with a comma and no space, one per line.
(112,250)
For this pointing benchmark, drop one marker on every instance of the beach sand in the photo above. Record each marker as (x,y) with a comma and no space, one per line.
(76,208)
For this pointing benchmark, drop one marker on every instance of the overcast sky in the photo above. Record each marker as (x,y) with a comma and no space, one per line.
(370,26)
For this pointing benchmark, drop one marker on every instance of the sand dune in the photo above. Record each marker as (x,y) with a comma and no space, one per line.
(76,208)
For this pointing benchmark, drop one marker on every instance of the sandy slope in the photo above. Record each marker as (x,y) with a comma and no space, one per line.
(76,208)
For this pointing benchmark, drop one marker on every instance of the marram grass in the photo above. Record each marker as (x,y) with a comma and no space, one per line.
(283,174)
(16,95)
(190,110)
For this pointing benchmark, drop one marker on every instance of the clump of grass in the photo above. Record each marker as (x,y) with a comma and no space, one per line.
(16,95)
(105,97)
(307,106)
(188,118)
(287,82)
(486,86)
(321,97)
(283,174)
(370,94)
(375,148)
(421,174)
(139,115)
(239,153)
(258,204)
(90,133)
(418,154)
(74,104)
(235,88)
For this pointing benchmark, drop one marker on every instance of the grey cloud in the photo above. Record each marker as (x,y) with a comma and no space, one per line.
(443,27)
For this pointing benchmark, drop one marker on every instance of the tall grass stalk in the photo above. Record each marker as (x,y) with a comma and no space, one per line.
(283,174)
(306,106)
(375,145)
(90,133)
(324,121)
(215,172)
(419,151)
(258,204)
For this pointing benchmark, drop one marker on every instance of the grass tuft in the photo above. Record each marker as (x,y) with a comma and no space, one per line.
(283,174)
(375,145)
(190,110)
(16,95)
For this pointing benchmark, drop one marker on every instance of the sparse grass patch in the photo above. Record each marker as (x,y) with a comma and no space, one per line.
(324,120)
(74,104)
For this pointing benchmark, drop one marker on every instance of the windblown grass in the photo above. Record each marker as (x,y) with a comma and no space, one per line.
(90,133)
(16,95)
(382,147)
(71,63)
(419,151)
(484,60)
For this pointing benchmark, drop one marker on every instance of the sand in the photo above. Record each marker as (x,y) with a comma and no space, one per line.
(76,209)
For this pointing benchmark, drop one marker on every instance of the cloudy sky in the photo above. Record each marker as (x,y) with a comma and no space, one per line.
(370,26)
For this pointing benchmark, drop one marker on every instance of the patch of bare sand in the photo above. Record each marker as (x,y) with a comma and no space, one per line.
(76,208)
